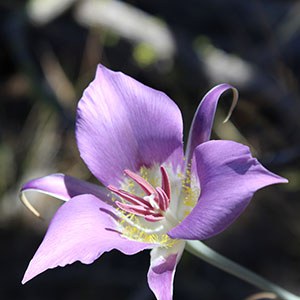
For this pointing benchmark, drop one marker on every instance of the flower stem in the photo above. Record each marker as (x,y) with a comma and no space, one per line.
(202,251)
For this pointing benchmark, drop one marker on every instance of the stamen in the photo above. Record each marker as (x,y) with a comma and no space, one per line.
(135,209)
(129,197)
(154,218)
(145,185)
(164,200)
(165,182)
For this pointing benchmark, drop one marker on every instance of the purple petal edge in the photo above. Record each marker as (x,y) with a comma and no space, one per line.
(229,176)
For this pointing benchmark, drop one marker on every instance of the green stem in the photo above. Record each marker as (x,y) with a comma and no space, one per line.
(202,251)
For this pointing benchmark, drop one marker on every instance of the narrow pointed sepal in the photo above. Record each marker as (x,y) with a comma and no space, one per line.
(64,187)
(202,123)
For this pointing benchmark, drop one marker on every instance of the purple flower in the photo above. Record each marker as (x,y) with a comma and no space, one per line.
(130,137)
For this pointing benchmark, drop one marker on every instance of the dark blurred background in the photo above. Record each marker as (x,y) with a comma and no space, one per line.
(49,52)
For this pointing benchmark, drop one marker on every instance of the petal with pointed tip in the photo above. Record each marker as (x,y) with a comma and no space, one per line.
(81,230)
(123,124)
(228,176)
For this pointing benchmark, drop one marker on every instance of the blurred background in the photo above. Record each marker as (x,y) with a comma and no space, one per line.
(49,52)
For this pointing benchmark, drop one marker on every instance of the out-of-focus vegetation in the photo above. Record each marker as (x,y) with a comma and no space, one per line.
(49,52)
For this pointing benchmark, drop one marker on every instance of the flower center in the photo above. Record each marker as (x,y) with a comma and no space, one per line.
(153,206)
(153,202)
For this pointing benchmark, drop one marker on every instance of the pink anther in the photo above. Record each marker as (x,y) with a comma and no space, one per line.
(146,186)
(135,200)
(163,200)
(165,182)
